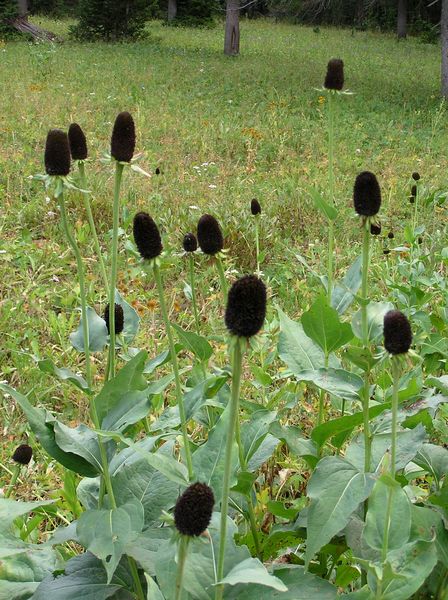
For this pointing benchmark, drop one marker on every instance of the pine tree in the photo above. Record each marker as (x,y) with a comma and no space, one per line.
(8,12)
(112,20)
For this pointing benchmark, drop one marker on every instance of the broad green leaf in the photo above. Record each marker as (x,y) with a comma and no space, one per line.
(11,509)
(140,480)
(131,320)
(22,573)
(321,323)
(387,492)
(254,431)
(407,569)
(297,444)
(301,586)
(344,293)
(340,383)
(48,366)
(440,383)
(84,578)
(409,441)
(336,489)
(427,525)
(433,459)
(375,317)
(124,400)
(42,424)
(326,209)
(105,533)
(296,349)
(154,592)
(208,460)
(322,433)
(252,570)
(81,441)
(263,452)
(98,335)
(195,343)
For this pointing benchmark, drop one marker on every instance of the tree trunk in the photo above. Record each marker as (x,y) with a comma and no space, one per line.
(402,13)
(23,7)
(172,9)
(232,37)
(444,32)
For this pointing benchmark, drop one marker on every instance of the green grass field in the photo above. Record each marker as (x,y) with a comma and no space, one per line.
(221,131)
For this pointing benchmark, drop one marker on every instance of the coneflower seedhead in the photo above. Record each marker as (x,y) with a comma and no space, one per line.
(415,176)
(386,251)
(391,235)
(157,171)
(190,243)
(122,143)
(77,141)
(397,332)
(366,194)
(414,190)
(193,510)
(57,153)
(334,79)
(210,235)
(412,199)
(255,207)
(147,236)
(119,319)
(420,239)
(22,454)
(246,306)
(375,229)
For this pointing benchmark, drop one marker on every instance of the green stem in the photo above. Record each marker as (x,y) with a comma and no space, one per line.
(181,557)
(330,267)
(193,293)
(13,481)
(82,288)
(222,277)
(179,397)
(322,396)
(365,340)
(396,372)
(257,240)
(114,260)
(237,359)
(88,208)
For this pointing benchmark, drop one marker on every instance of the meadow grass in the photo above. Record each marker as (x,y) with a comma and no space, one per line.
(222,131)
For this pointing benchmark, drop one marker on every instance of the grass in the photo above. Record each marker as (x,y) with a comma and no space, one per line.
(221,131)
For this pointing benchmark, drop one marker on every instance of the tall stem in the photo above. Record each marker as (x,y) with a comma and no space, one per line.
(365,340)
(222,277)
(82,288)
(13,481)
(322,397)
(396,371)
(193,293)
(257,240)
(181,557)
(83,182)
(330,266)
(237,359)
(113,271)
(179,397)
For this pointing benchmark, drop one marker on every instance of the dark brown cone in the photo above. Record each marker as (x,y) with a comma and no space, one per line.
(246,306)
(78,142)
(147,236)
(122,143)
(375,229)
(255,207)
(414,190)
(190,243)
(366,194)
(397,332)
(119,319)
(334,79)
(194,509)
(391,235)
(209,235)
(415,176)
(22,454)
(57,153)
